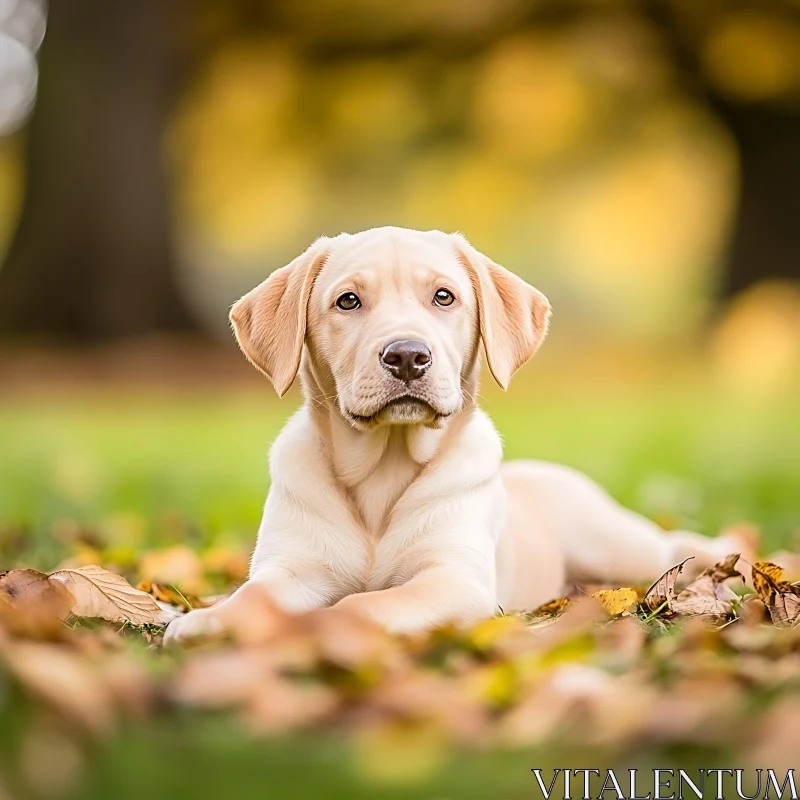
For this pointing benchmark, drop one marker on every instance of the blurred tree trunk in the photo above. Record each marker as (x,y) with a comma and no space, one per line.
(766,235)
(92,259)
(765,240)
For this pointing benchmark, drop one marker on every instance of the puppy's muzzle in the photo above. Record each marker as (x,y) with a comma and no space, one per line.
(406,360)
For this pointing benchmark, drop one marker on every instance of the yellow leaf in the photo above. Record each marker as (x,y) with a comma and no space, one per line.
(486,634)
(496,684)
(779,596)
(616,601)
(171,596)
(766,576)
(551,609)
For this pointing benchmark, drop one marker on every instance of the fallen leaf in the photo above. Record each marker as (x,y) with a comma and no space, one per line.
(222,678)
(280,704)
(100,593)
(552,609)
(486,634)
(775,738)
(546,613)
(424,695)
(63,680)
(171,596)
(779,596)
(616,601)
(31,606)
(708,594)
(662,592)
(26,588)
(346,639)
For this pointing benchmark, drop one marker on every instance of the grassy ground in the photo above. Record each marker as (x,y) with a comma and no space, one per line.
(151,470)
(691,458)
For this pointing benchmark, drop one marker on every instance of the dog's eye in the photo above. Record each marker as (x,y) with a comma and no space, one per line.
(443,297)
(348,301)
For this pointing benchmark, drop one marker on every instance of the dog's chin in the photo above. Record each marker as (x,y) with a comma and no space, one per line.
(400,411)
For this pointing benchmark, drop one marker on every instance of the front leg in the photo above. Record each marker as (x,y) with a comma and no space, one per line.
(287,591)
(444,534)
(434,597)
(290,563)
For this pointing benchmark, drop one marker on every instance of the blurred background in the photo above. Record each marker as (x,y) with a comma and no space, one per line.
(637,161)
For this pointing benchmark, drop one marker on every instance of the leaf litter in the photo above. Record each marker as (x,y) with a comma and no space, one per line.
(781,598)
(620,668)
(707,595)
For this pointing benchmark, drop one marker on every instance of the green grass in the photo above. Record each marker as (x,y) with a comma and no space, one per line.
(158,469)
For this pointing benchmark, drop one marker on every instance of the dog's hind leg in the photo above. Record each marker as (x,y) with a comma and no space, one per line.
(602,541)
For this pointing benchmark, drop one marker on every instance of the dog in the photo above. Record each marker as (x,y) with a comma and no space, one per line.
(389,498)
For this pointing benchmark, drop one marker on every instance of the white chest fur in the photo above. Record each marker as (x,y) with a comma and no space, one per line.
(364,512)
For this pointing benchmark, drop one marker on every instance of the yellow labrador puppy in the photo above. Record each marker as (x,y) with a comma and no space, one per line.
(388,495)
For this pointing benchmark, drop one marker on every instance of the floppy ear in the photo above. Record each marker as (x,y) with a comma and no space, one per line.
(513,316)
(270,321)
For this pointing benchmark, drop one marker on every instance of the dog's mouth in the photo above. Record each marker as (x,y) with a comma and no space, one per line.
(403,410)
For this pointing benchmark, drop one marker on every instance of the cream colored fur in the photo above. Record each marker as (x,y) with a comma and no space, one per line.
(389,498)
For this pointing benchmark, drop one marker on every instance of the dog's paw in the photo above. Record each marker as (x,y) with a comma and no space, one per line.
(200,623)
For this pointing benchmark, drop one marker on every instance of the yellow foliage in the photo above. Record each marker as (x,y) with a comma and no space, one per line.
(637,229)
(253,195)
(496,684)
(756,347)
(530,101)
(487,633)
(753,56)
(368,104)
(470,190)
(616,601)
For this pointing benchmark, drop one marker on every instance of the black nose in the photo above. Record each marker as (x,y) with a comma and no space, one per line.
(406,360)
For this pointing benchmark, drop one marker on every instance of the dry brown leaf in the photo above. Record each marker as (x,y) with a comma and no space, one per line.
(546,613)
(708,594)
(552,609)
(28,587)
(31,605)
(280,704)
(172,596)
(346,639)
(766,576)
(705,595)
(779,596)
(662,592)
(63,680)
(616,601)
(100,593)
(222,678)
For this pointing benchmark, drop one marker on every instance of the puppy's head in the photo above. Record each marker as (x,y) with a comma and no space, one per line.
(394,317)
